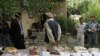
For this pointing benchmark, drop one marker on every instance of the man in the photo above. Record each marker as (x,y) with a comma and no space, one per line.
(43,19)
(80,31)
(4,35)
(17,32)
(91,29)
(5,27)
(53,30)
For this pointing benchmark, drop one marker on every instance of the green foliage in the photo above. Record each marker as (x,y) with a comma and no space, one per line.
(74,3)
(63,23)
(85,7)
(38,6)
(93,9)
(67,24)
(71,26)
(8,8)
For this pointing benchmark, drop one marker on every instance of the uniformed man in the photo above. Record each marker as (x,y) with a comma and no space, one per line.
(91,30)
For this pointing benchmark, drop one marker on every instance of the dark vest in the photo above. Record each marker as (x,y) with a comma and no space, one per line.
(54,27)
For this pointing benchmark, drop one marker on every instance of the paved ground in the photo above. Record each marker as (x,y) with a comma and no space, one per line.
(65,40)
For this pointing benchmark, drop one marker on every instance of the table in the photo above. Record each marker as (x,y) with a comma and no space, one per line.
(25,53)
(38,55)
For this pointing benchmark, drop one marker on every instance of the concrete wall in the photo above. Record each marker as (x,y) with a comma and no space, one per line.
(27,22)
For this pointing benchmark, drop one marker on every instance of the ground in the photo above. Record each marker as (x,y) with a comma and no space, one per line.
(67,40)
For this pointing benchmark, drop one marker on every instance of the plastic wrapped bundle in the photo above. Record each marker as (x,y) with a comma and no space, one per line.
(80,49)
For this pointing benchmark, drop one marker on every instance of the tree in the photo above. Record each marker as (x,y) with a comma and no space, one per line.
(39,6)
(8,8)
(86,8)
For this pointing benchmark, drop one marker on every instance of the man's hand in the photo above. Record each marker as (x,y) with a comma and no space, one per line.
(94,30)
(53,43)
(56,42)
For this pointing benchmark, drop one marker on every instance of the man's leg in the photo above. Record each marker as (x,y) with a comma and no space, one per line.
(89,40)
(94,40)
(78,39)
(82,40)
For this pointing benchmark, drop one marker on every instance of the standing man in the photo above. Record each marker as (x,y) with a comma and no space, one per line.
(43,19)
(53,30)
(17,36)
(80,31)
(91,29)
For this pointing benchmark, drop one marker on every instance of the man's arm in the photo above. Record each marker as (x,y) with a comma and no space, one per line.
(49,32)
(59,32)
(87,27)
(98,26)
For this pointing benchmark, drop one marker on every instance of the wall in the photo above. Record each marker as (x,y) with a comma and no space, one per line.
(27,22)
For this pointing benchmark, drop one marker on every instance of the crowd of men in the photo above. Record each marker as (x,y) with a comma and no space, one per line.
(14,35)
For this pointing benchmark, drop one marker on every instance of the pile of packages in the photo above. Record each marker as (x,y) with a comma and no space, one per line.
(55,51)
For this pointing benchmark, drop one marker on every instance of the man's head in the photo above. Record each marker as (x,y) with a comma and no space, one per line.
(18,15)
(92,18)
(49,15)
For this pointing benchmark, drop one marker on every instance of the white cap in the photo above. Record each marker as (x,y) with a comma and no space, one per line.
(49,14)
